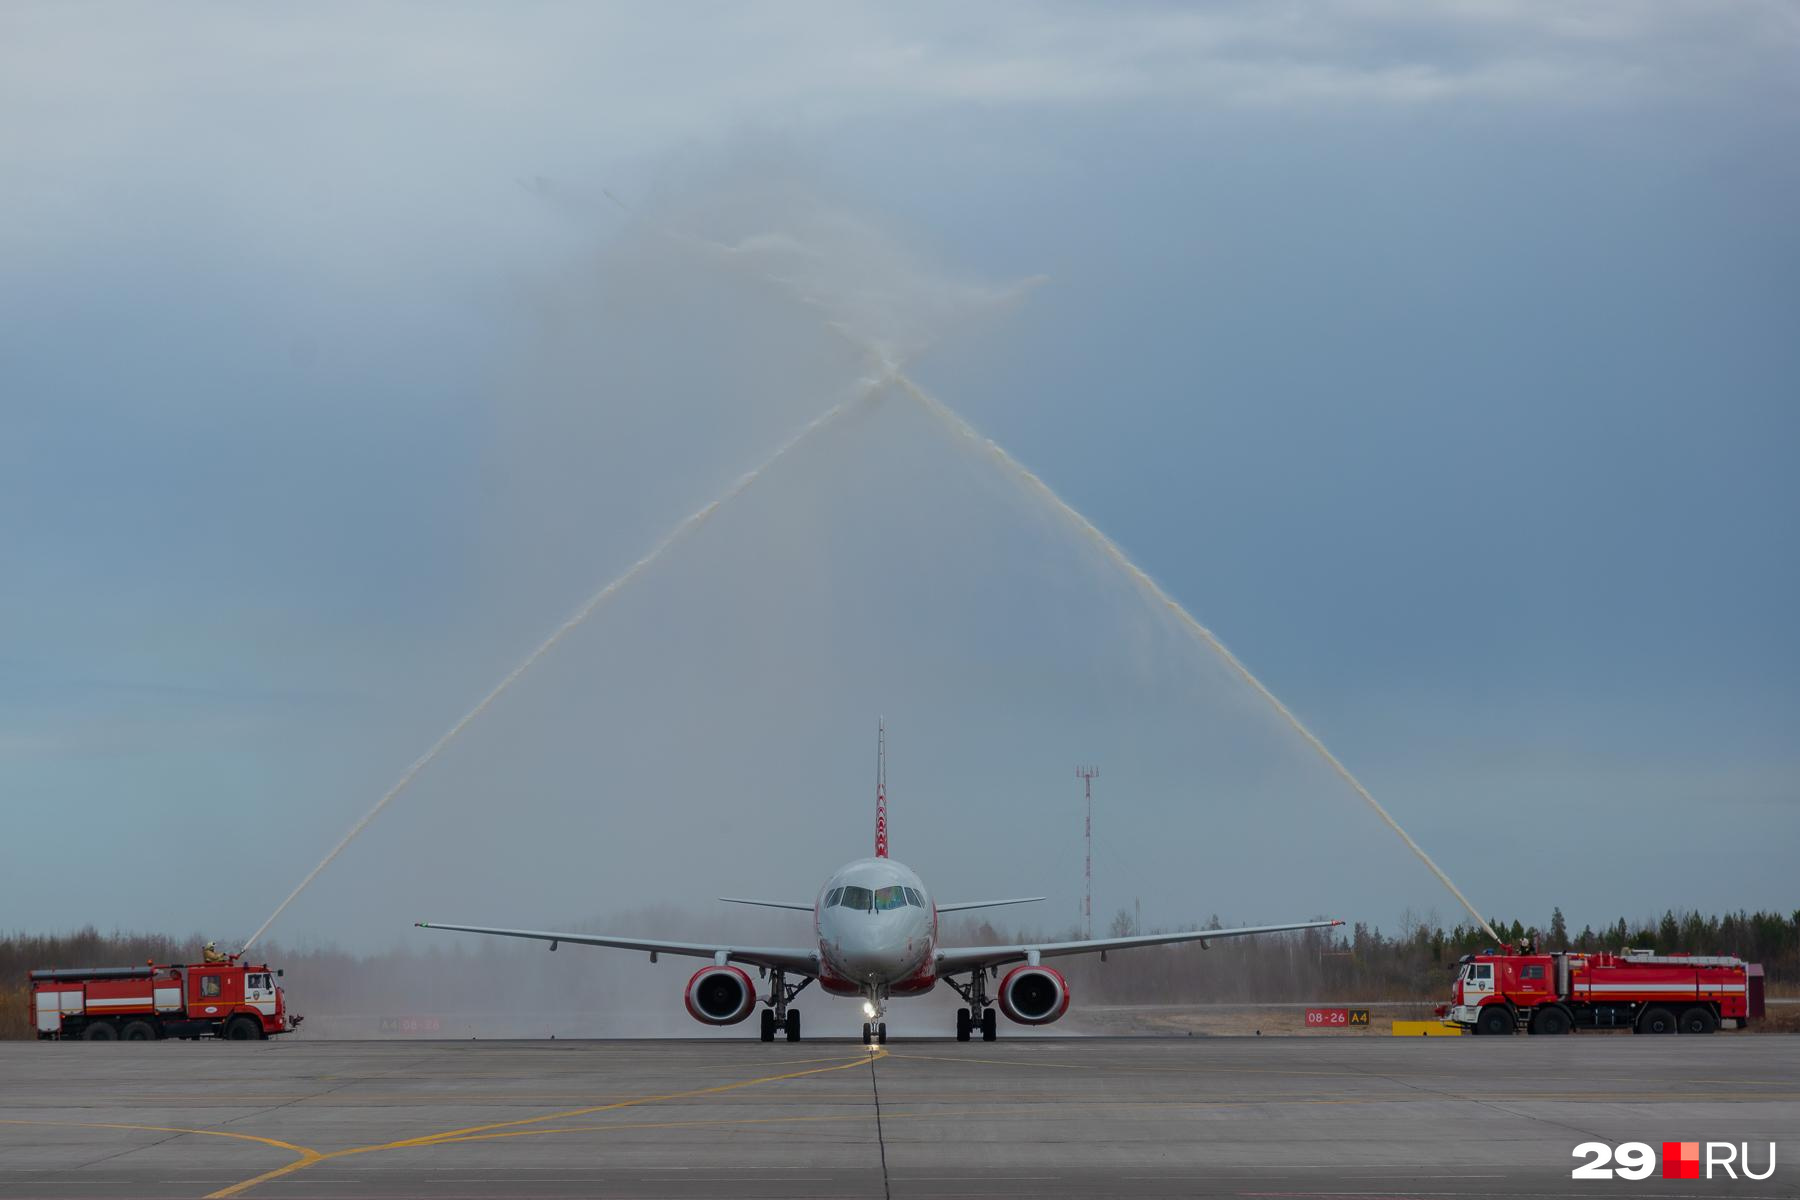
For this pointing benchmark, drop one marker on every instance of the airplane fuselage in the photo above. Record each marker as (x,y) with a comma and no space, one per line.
(877,930)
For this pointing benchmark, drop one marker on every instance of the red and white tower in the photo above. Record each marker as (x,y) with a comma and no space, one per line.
(1087,775)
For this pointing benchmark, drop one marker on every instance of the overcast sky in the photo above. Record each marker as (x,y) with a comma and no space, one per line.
(1444,362)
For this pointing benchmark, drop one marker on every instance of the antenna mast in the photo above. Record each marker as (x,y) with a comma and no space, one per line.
(1087,775)
(881,788)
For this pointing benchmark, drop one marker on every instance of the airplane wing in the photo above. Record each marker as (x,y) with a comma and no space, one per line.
(766,903)
(798,960)
(960,905)
(975,958)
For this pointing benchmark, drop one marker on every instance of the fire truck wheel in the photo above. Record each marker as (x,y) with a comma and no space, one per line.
(793,1025)
(1698,1020)
(243,1029)
(1656,1020)
(768,1025)
(138,1031)
(1552,1019)
(101,1031)
(1495,1019)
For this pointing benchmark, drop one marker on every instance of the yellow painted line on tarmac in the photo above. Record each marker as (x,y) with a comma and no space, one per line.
(306,1154)
(1069,1066)
(466,1134)
(1026,1112)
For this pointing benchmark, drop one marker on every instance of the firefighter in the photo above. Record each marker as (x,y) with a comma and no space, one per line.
(211,954)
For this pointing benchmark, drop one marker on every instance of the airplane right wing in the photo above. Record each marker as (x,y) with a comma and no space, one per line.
(975,958)
(767,903)
(798,960)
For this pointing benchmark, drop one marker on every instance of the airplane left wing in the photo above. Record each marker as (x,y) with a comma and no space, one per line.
(975,958)
(965,905)
(798,960)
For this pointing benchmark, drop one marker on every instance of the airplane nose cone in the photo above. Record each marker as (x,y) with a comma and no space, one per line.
(865,964)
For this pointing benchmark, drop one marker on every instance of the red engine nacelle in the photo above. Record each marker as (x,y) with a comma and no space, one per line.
(1034,995)
(720,996)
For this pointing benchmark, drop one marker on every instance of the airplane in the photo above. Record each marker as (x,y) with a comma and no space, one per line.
(876,936)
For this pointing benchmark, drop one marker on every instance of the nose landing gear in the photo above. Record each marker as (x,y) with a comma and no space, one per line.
(874,1033)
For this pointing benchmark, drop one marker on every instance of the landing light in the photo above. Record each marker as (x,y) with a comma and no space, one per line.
(868,1009)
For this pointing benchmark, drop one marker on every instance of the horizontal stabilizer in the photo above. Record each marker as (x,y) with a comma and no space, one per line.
(960,905)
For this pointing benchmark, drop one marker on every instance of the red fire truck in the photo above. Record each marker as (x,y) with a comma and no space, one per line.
(1504,992)
(229,999)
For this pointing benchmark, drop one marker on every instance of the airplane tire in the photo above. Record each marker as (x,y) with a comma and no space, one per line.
(793,1025)
(962,1025)
(768,1025)
(866,1033)
(881,1033)
(990,1025)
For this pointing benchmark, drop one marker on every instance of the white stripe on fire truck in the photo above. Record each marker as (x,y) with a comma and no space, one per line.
(116,1001)
(1684,988)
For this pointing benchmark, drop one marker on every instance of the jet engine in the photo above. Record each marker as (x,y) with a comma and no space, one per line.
(720,995)
(1034,995)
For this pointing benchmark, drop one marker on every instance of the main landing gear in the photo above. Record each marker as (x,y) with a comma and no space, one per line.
(980,1013)
(967,1023)
(778,1015)
(874,1033)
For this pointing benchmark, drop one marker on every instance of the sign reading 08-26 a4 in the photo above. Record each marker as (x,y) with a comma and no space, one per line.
(1336,1018)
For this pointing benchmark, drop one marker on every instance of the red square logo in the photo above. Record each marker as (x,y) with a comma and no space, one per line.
(1681,1160)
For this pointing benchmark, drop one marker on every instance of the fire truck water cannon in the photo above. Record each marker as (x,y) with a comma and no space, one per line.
(1501,992)
(238,1001)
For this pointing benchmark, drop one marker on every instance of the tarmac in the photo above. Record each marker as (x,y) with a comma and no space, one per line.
(1243,1117)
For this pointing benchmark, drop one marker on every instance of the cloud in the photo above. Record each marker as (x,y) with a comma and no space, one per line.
(294,128)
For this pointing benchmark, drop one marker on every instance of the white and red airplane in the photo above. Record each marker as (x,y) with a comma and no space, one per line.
(876,936)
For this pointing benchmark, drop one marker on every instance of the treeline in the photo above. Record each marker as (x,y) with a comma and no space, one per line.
(495,987)
(1360,962)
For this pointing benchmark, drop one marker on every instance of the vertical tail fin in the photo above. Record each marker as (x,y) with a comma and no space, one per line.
(881,789)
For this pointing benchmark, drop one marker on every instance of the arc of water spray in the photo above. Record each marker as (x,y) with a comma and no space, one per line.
(869,388)
(1152,589)
(890,367)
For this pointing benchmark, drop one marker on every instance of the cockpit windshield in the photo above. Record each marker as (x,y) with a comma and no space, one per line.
(880,900)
